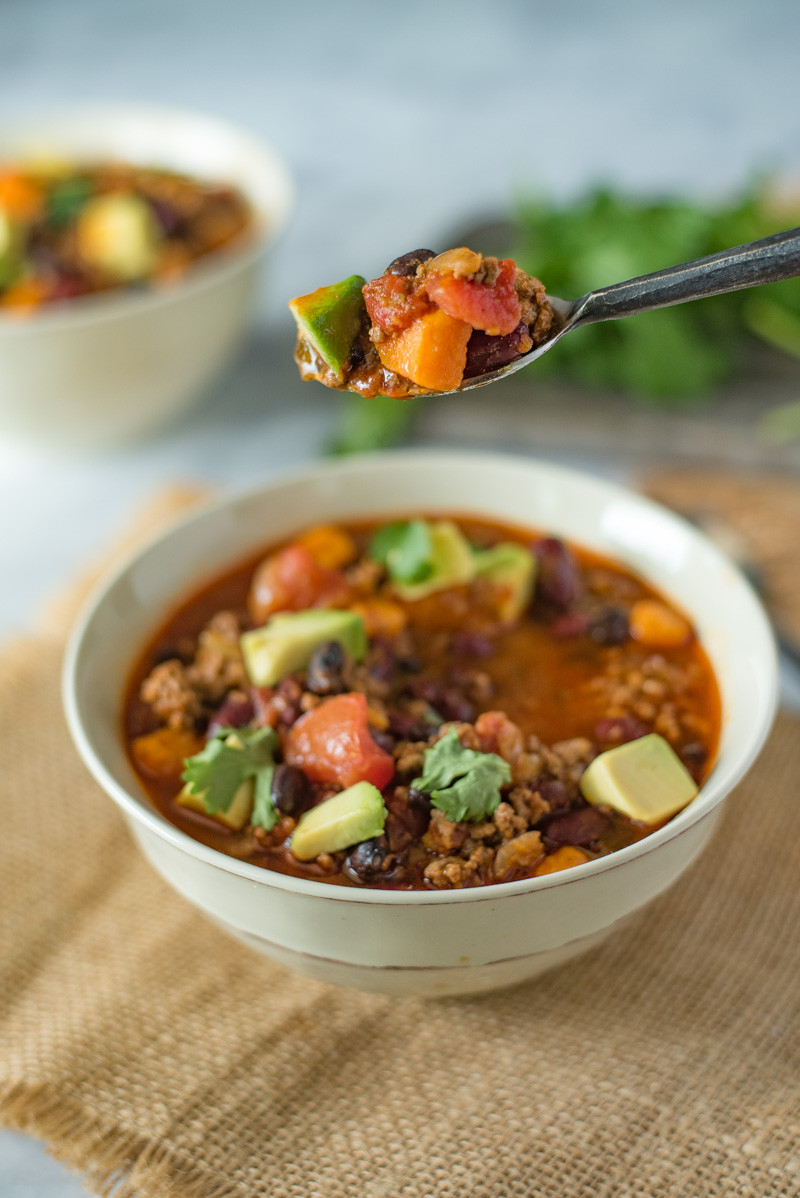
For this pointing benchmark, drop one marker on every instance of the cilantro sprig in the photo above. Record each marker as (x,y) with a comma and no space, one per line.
(229,759)
(463,783)
(405,549)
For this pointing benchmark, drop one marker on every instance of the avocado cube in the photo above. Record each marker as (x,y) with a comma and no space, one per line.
(452,560)
(353,815)
(644,779)
(117,233)
(237,814)
(512,569)
(10,252)
(287,642)
(330,320)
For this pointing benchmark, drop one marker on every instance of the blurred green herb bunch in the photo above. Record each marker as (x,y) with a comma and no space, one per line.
(673,356)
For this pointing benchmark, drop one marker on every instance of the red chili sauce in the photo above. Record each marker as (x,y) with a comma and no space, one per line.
(596,658)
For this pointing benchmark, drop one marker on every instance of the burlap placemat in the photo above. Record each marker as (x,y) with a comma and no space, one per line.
(162,1059)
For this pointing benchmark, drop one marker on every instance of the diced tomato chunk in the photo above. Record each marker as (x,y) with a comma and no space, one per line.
(393,304)
(494,307)
(332,744)
(292,580)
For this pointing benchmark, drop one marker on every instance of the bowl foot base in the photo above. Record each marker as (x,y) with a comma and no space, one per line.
(424,982)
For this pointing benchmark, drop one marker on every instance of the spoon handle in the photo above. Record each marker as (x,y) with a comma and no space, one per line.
(764,261)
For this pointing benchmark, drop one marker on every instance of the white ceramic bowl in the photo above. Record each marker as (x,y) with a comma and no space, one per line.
(441,942)
(102,371)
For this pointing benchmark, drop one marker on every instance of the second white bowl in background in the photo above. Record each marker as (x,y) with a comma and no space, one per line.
(103,371)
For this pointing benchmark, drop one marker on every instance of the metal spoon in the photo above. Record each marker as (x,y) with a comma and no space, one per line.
(765,261)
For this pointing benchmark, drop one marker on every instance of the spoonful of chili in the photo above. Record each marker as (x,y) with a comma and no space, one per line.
(458,320)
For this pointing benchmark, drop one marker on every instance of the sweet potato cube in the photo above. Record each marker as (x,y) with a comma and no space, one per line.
(432,352)
(657,626)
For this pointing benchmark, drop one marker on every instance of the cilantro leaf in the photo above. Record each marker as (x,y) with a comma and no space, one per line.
(405,549)
(66,199)
(265,814)
(463,783)
(228,760)
(477,794)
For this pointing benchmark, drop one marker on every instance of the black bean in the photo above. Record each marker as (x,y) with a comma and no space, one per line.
(418,799)
(408,727)
(407,264)
(365,859)
(290,789)
(611,627)
(324,675)
(384,739)
(428,689)
(455,706)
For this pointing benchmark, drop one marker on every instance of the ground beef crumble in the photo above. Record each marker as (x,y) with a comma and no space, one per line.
(180,694)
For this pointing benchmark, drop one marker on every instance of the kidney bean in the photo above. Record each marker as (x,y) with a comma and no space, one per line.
(619,730)
(571,624)
(67,286)
(407,727)
(286,701)
(450,703)
(381,663)
(236,711)
(290,789)
(611,627)
(471,644)
(406,265)
(458,707)
(485,352)
(554,793)
(261,698)
(365,859)
(581,826)
(324,674)
(558,584)
(694,757)
(425,688)
(167,216)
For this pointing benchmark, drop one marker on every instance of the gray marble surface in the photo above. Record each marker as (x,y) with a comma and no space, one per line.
(398,122)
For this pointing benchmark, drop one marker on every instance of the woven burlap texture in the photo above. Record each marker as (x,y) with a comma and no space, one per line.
(162,1059)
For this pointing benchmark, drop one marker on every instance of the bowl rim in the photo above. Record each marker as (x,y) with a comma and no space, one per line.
(267,225)
(716,788)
